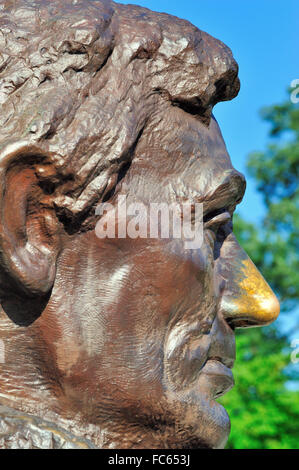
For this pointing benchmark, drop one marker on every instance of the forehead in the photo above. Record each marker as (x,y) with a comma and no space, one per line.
(212,175)
(188,156)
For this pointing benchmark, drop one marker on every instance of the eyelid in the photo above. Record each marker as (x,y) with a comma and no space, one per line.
(219,218)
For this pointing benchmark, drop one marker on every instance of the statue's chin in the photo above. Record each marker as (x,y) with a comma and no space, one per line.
(205,421)
(213,426)
(222,425)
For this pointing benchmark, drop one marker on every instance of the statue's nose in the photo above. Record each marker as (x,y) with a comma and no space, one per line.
(247,298)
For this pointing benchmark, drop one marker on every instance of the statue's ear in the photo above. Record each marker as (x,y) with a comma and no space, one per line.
(29,230)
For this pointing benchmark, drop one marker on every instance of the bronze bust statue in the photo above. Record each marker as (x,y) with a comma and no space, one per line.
(116,342)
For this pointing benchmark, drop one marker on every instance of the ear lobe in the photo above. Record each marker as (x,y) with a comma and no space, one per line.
(29,230)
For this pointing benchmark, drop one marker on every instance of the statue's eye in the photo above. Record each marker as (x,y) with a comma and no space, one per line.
(217,224)
(215,219)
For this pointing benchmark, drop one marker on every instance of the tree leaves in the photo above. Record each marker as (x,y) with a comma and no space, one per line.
(263,411)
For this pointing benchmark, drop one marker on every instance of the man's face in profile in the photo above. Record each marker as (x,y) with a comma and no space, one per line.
(152,322)
(137,335)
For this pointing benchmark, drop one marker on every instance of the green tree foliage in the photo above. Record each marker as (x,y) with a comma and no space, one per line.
(263,411)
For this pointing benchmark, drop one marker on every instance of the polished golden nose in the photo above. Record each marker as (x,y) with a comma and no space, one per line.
(248,300)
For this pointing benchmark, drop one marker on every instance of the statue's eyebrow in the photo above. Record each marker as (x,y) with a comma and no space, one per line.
(228,193)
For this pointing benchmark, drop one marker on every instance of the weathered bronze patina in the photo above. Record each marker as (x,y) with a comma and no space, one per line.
(116,342)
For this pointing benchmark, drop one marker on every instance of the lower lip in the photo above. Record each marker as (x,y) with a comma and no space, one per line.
(221,377)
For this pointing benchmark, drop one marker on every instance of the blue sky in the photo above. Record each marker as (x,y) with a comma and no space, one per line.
(263,35)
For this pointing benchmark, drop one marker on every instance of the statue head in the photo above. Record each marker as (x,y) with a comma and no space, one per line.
(126,340)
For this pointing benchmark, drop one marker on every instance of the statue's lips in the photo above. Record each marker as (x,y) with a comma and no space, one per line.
(217,376)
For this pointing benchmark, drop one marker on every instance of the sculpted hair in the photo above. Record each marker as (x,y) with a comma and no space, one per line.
(80,81)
